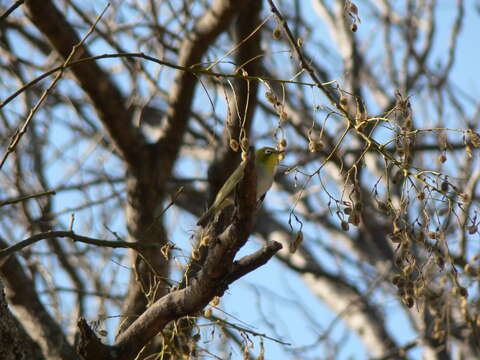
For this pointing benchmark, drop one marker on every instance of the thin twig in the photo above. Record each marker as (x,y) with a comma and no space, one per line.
(11,9)
(26,197)
(195,71)
(18,135)
(70,234)
(226,323)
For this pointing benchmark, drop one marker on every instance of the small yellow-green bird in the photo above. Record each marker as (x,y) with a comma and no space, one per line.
(266,161)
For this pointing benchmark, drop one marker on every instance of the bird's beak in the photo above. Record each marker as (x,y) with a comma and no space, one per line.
(281,155)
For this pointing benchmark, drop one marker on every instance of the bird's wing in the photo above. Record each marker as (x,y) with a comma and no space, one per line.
(229,186)
(222,195)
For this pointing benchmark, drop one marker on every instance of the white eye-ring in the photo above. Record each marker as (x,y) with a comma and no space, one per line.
(268,151)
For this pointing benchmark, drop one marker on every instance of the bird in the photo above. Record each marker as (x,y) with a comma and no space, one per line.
(266,161)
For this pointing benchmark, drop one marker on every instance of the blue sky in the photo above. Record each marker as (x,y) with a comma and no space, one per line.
(248,298)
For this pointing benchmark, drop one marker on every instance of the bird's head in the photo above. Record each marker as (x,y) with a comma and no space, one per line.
(268,157)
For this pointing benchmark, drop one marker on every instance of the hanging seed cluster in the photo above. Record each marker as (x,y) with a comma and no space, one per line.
(472,140)
(283,117)
(419,244)
(277,105)
(442,145)
(315,144)
(426,274)
(352,11)
(352,212)
(404,141)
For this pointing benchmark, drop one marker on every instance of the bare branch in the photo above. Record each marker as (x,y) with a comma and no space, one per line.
(71,235)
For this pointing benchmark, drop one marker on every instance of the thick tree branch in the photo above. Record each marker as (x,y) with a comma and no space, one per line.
(146,189)
(218,272)
(251,262)
(38,322)
(193,48)
(242,99)
(15,343)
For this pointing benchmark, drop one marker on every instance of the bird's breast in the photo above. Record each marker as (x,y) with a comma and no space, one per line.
(264,181)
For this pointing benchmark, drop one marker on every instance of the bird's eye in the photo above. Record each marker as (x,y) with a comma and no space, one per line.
(268,151)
